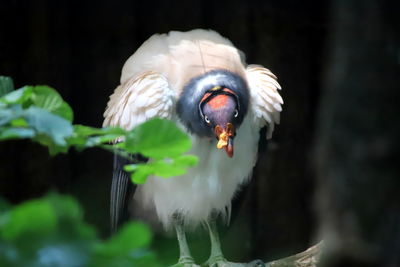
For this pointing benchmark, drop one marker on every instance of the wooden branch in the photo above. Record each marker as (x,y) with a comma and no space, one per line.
(308,258)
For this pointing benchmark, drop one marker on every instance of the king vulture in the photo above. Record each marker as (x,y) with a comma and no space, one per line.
(199,80)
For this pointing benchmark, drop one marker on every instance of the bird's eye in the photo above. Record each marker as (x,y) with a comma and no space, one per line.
(207,119)
(236,113)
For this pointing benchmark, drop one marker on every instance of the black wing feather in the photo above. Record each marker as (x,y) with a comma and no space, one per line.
(122,190)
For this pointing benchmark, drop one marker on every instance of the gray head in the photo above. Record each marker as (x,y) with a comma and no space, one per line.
(214,104)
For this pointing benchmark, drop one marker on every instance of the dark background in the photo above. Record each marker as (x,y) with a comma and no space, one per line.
(80,47)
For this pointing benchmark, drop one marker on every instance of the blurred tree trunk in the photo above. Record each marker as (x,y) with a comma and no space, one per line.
(359,185)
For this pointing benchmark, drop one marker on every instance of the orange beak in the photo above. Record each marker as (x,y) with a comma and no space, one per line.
(225,138)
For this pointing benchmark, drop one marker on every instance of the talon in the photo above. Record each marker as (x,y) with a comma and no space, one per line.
(185,261)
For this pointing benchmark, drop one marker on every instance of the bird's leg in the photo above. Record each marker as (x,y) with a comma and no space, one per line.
(217,259)
(216,252)
(185,258)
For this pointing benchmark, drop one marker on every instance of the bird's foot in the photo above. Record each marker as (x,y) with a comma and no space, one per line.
(220,261)
(186,262)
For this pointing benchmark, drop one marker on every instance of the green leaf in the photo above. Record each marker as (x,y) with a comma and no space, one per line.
(55,127)
(18,96)
(10,113)
(45,232)
(6,85)
(48,142)
(186,160)
(132,236)
(40,96)
(70,216)
(163,142)
(140,172)
(14,132)
(49,99)
(157,139)
(161,168)
(16,124)
(90,131)
(53,215)
(98,140)
(19,122)
(33,218)
(85,136)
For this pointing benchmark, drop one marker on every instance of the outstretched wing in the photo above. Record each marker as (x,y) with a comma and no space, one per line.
(140,98)
(265,99)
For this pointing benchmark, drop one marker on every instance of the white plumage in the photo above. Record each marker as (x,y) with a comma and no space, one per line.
(152,81)
(210,185)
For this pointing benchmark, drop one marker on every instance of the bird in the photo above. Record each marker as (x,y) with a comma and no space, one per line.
(201,81)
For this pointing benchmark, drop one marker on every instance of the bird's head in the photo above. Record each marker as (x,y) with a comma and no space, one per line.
(219,109)
(215,104)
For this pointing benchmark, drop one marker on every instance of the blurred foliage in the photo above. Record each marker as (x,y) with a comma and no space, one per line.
(50,231)
(40,114)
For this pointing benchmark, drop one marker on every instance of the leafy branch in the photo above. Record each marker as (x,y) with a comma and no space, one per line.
(39,113)
(50,231)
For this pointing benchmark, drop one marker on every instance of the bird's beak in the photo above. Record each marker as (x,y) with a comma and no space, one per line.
(225,138)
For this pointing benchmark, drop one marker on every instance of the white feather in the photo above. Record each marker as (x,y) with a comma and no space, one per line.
(140,98)
(210,185)
(265,99)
